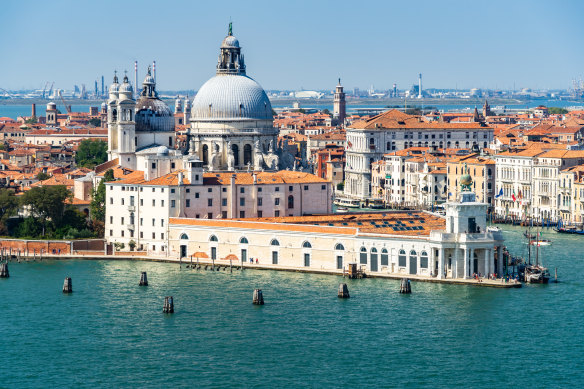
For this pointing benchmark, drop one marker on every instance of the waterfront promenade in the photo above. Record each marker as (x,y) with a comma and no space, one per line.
(225,264)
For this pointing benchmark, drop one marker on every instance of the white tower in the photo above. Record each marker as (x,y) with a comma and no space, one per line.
(420,86)
(339,105)
(121,124)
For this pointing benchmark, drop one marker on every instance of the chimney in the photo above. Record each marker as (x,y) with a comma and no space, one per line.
(180,178)
(33,113)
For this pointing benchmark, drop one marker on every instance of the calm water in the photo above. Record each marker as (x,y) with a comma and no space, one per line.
(112,333)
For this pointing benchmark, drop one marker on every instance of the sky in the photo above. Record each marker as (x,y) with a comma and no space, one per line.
(293,45)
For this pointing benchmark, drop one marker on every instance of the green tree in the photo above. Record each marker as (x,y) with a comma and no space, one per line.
(97,205)
(91,153)
(32,120)
(557,111)
(95,122)
(8,207)
(46,204)
(326,111)
(42,176)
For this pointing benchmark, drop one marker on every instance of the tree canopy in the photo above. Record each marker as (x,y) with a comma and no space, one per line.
(46,203)
(91,153)
(557,111)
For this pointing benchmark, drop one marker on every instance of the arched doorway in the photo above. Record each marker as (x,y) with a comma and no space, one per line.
(235,149)
(413,262)
(205,154)
(374,266)
(247,154)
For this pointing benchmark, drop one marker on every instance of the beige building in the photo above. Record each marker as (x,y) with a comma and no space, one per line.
(483,173)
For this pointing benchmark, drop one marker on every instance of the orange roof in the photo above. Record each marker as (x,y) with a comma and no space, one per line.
(412,223)
(398,120)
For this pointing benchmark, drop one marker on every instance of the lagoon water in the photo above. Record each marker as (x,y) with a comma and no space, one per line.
(112,333)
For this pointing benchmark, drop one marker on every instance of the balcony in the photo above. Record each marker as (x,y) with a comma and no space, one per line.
(131,208)
(130,226)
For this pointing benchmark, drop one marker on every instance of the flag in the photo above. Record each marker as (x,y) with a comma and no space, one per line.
(500,194)
(513,195)
(520,195)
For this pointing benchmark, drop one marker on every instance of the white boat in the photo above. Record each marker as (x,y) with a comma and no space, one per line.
(347,203)
(493,229)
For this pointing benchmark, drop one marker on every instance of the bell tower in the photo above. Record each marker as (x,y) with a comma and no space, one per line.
(339,105)
(126,106)
(112,119)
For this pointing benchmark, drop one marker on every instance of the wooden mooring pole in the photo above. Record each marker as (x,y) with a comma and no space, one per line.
(258,297)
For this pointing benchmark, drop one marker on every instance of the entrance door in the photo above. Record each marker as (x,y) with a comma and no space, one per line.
(183,250)
(213,252)
(243,255)
(307,260)
(274,257)
(413,264)
(339,261)
(374,262)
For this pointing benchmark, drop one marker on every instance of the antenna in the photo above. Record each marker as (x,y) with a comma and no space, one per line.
(135,79)
(154,70)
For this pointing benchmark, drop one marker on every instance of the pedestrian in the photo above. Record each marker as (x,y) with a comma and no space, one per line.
(256,261)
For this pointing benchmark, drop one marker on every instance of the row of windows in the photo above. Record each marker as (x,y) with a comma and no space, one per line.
(273,242)
(131,233)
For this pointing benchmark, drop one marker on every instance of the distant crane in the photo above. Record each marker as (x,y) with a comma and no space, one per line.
(51,90)
(63,100)
(6,93)
(45,88)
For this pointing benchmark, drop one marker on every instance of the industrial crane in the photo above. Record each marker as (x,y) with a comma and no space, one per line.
(63,100)
(45,89)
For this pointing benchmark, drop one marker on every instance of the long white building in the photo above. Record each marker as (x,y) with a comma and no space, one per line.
(369,140)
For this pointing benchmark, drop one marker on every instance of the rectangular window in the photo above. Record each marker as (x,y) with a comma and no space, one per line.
(161,190)
(277,213)
(277,189)
(242,202)
(224,190)
(260,214)
(131,233)
(172,203)
(122,220)
(290,188)
(153,235)
(153,165)
(141,221)
(224,214)
(209,202)
(153,190)
(122,232)
(209,190)
(153,202)
(242,190)
(260,200)
(188,190)
(242,214)
(259,189)
(210,215)
(162,205)
(277,201)
(111,232)
(323,187)
(172,190)
(141,234)
(141,202)
(172,165)
(162,235)
(122,201)
(111,200)
(196,195)
(305,187)
(188,203)
(161,222)
(224,202)
(111,220)
(132,201)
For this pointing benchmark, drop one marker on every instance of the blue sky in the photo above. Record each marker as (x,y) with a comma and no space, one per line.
(297,44)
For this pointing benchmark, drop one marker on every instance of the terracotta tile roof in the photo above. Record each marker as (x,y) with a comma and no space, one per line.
(56,179)
(400,120)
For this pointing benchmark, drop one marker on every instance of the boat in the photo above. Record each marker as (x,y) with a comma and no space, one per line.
(569,230)
(540,242)
(528,235)
(342,210)
(375,204)
(536,274)
(347,203)
(493,229)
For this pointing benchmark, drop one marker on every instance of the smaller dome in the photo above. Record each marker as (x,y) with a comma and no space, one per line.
(162,150)
(114,88)
(125,88)
(149,79)
(51,105)
(230,41)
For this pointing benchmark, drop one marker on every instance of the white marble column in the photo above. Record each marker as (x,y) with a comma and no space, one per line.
(500,261)
(471,263)
(441,264)
(487,262)
(465,252)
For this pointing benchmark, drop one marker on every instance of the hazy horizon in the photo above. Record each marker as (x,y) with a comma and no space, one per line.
(290,46)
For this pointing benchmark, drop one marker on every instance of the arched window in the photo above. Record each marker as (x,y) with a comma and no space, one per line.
(339,247)
(290,202)
(424,260)
(247,154)
(213,238)
(114,115)
(205,154)
(363,256)
(373,250)
(274,242)
(243,240)
(384,257)
(402,258)
(306,244)
(184,236)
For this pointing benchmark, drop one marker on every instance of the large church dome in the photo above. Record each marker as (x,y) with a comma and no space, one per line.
(231,97)
(231,94)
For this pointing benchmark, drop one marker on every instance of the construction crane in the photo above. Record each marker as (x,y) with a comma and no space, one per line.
(6,93)
(63,100)
(51,90)
(45,89)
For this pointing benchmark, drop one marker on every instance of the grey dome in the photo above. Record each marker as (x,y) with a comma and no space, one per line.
(231,97)
(152,114)
(230,41)
(125,88)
